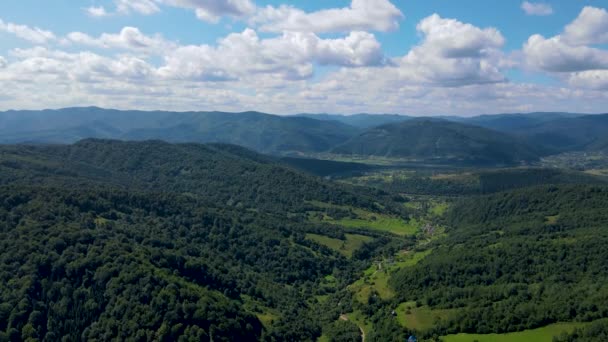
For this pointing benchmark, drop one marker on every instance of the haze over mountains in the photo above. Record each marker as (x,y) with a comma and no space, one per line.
(499,139)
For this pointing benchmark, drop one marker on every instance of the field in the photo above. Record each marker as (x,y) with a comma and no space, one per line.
(422,318)
(366,219)
(344,247)
(375,278)
(380,222)
(544,334)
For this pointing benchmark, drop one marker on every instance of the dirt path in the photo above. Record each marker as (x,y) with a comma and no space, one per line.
(343,317)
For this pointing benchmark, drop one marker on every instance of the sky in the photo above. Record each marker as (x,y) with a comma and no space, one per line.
(431,57)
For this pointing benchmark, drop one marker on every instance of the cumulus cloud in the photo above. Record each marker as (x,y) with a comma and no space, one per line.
(451,38)
(32,34)
(533,8)
(207,10)
(289,56)
(40,62)
(363,15)
(592,79)
(145,7)
(590,27)
(455,68)
(555,55)
(129,38)
(571,55)
(97,11)
(213,10)
(453,53)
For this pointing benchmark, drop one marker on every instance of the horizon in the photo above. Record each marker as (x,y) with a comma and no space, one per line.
(298,113)
(339,56)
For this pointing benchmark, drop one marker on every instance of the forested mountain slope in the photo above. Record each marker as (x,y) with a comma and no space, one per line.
(432,139)
(517,260)
(223,175)
(361,120)
(155,241)
(570,134)
(514,123)
(479,181)
(258,131)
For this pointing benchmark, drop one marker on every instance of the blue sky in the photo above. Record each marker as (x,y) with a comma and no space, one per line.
(411,57)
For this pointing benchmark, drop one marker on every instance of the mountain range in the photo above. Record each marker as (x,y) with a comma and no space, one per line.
(494,139)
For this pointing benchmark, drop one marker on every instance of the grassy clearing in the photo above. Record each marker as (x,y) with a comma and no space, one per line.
(323,338)
(267,316)
(544,334)
(344,247)
(438,208)
(366,219)
(375,278)
(381,222)
(359,319)
(549,220)
(422,318)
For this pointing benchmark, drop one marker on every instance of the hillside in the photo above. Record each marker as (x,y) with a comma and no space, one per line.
(513,123)
(439,140)
(166,241)
(474,182)
(514,261)
(583,133)
(224,175)
(261,132)
(360,120)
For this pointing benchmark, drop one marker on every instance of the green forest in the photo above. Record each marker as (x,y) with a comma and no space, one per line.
(151,241)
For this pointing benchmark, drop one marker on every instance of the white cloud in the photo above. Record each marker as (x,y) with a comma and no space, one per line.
(451,38)
(453,53)
(32,34)
(590,27)
(456,67)
(213,10)
(206,10)
(97,11)
(129,38)
(592,79)
(534,8)
(289,56)
(376,15)
(145,7)
(42,63)
(554,55)
(357,49)
(570,56)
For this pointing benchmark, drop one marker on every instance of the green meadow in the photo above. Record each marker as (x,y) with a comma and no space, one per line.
(544,334)
(345,247)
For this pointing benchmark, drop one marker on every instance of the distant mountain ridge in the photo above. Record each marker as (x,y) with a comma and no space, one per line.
(360,120)
(258,131)
(432,139)
(300,135)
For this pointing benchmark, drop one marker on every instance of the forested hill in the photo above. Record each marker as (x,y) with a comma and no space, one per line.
(360,120)
(517,260)
(258,131)
(223,175)
(154,241)
(581,133)
(433,139)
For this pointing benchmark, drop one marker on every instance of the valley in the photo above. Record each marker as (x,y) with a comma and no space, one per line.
(303,171)
(318,246)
